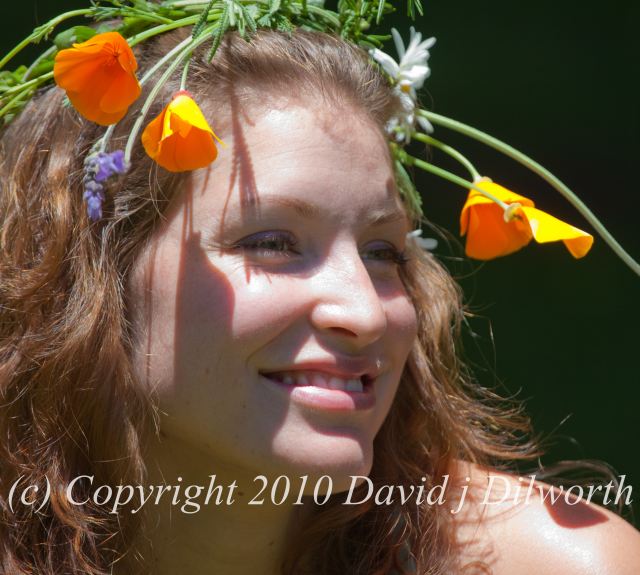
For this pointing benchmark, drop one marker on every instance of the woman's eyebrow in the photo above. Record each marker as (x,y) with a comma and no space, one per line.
(310,211)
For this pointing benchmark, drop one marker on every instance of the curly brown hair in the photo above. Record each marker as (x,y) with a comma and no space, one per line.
(70,404)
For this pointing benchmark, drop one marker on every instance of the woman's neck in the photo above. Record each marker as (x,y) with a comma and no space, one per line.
(211,528)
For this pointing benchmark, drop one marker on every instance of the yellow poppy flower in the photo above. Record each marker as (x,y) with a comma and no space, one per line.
(493,232)
(179,138)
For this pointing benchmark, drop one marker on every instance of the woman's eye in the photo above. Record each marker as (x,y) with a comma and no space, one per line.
(282,244)
(269,244)
(387,254)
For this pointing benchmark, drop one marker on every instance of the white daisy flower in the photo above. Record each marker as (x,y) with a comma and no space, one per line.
(408,76)
(429,244)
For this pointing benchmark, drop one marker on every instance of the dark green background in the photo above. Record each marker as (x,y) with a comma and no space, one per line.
(558,80)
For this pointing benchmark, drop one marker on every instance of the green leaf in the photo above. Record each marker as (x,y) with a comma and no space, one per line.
(9,79)
(274,6)
(284,25)
(240,26)
(41,68)
(74,35)
(381,10)
(202,21)
(231,12)
(313,27)
(413,6)
(218,33)
(248,17)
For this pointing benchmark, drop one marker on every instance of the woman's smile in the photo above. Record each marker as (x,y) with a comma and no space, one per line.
(330,385)
(322,390)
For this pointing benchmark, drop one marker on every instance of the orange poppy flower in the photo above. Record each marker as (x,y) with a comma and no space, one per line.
(493,232)
(180,139)
(99,77)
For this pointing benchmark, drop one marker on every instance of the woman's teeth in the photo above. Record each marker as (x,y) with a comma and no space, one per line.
(317,379)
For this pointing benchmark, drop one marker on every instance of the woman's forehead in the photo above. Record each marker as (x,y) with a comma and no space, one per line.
(294,159)
(286,136)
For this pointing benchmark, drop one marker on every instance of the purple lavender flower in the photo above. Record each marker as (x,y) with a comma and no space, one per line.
(99,167)
(94,208)
(94,196)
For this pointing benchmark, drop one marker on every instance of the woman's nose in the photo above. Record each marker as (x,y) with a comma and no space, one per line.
(347,301)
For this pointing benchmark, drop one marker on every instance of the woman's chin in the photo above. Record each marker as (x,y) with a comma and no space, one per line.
(333,468)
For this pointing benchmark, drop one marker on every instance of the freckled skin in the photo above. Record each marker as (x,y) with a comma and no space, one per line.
(210,319)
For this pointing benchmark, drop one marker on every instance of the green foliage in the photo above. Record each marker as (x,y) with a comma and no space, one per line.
(221,28)
(203,20)
(284,25)
(140,9)
(250,13)
(74,35)
(414,6)
(11,79)
(12,97)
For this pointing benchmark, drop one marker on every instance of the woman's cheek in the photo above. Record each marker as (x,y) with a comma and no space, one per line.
(266,305)
(403,320)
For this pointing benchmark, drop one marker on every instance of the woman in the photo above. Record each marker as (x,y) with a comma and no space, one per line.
(265,316)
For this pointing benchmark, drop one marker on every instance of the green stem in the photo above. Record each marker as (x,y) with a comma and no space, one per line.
(141,15)
(175,50)
(10,104)
(540,171)
(22,90)
(449,151)
(185,72)
(106,137)
(191,45)
(183,3)
(29,84)
(36,35)
(50,51)
(446,175)
(142,36)
(326,14)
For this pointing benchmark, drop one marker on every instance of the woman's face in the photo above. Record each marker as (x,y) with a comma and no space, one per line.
(279,260)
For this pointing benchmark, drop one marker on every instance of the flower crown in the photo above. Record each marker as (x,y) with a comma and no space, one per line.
(96,67)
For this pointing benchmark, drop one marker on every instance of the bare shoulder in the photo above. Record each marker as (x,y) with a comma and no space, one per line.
(518,526)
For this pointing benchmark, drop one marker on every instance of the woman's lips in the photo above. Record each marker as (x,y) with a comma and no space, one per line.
(321,390)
